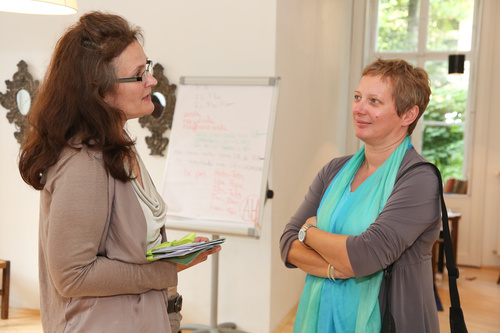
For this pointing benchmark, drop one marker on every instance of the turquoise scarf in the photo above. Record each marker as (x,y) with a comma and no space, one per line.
(349,305)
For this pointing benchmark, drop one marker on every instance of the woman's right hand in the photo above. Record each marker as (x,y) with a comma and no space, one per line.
(201,257)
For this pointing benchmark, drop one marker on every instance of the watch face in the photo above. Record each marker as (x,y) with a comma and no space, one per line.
(302,235)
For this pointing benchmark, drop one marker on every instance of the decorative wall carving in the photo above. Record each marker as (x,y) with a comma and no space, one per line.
(20,93)
(163,95)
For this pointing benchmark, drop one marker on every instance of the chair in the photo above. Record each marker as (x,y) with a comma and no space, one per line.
(4,292)
(438,258)
(437,253)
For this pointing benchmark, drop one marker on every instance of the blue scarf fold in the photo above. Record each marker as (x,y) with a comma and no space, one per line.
(350,305)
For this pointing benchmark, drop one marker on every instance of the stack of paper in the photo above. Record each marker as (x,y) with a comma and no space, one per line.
(183,253)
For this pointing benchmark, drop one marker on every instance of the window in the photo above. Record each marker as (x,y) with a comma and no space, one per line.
(425,33)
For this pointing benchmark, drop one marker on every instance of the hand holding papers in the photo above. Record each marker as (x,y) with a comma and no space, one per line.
(182,251)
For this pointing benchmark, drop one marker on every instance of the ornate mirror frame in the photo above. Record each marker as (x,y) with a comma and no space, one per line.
(12,100)
(163,95)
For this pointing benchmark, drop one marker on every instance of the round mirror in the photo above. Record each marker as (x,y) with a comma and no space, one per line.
(159,101)
(23,100)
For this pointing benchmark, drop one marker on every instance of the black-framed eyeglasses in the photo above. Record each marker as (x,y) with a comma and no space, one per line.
(139,78)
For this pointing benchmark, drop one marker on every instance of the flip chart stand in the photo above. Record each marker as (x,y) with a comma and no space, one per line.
(214,327)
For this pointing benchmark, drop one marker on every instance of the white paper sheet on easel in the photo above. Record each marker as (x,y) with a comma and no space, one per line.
(217,153)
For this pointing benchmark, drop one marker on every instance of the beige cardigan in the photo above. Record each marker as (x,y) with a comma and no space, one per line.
(93,279)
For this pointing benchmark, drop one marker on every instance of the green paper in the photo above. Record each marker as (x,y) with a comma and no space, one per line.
(189,238)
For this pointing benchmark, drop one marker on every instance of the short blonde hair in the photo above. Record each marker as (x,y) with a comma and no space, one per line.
(410,85)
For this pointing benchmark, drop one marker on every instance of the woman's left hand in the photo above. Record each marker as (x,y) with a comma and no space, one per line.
(201,257)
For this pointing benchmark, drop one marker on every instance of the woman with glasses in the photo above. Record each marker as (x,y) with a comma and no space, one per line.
(99,210)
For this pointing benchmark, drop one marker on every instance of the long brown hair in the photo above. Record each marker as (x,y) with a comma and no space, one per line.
(70,103)
(410,85)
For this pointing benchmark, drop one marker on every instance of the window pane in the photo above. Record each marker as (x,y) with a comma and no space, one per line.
(450,25)
(444,146)
(398,25)
(449,93)
(444,127)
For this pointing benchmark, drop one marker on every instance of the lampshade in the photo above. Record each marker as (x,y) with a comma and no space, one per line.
(47,7)
(456,63)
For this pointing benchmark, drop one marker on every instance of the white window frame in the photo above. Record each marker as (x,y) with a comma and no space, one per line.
(420,57)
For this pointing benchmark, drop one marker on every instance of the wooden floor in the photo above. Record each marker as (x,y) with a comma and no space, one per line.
(22,321)
(479,295)
(479,298)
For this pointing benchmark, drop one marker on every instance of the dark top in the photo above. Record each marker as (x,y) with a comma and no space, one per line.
(403,234)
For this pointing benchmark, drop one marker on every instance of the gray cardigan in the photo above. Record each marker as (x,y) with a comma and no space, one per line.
(402,234)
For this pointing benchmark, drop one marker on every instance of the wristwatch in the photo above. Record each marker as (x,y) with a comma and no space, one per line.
(302,234)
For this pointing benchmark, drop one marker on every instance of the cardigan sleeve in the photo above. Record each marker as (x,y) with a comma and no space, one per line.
(74,209)
(309,206)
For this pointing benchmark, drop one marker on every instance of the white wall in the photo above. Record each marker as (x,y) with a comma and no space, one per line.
(313,43)
(189,37)
(27,38)
(488,136)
